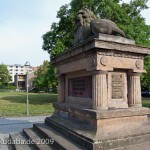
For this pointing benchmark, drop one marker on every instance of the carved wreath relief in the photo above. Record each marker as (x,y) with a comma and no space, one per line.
(103,61)
(139,64)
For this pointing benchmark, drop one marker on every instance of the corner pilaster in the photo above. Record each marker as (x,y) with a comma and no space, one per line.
(99,90)
(134,93)
(61,88)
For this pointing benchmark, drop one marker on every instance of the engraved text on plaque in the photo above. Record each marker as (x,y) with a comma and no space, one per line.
(117,86)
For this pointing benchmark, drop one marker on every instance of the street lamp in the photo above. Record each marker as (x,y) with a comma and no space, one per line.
(27,64)
(27,101)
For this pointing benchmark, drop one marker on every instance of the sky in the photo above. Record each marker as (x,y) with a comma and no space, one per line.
(22,24)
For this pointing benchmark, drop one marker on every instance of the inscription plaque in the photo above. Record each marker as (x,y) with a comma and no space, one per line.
(117,86)
(80,87)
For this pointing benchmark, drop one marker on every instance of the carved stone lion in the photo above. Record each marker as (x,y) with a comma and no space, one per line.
(86,25)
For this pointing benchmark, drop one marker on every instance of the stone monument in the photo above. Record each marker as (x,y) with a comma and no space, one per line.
(99,91)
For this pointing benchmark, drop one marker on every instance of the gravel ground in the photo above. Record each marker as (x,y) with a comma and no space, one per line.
(16,124)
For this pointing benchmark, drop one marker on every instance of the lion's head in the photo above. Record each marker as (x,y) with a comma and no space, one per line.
(85,16)
(82,25)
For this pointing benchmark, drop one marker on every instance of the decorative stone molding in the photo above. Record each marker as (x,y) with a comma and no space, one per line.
(139,64)
(103,61)
(99,52)
(76,58)
(119,54)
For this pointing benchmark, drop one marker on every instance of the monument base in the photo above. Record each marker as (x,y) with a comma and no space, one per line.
(75,127)
(99,99)
(93,129)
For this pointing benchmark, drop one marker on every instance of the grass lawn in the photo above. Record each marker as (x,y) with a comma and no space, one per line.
(146,102)
(14,103)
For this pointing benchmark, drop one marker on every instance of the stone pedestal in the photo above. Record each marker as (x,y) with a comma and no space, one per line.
(99,94)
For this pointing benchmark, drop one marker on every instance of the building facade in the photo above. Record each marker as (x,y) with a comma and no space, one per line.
(21,75)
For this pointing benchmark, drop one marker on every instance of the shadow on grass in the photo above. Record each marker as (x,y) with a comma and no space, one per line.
(33,98)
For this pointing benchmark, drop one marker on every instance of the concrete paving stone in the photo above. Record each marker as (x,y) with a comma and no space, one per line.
(16,124)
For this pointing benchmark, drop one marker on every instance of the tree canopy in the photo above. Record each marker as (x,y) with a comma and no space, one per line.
(45,77)
(4,76)
(126,15)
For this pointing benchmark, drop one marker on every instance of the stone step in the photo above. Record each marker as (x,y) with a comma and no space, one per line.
(144,146)
(5,146)
(37,141)
(60,141)
(70,133)
(20,142)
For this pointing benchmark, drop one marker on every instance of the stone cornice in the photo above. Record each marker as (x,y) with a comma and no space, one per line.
(98,45)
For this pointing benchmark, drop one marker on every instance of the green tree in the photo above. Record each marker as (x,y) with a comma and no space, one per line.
(4,76)
(145,78)
(126,16)
(45,77)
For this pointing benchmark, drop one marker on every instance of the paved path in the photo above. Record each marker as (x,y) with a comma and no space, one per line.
(16,124)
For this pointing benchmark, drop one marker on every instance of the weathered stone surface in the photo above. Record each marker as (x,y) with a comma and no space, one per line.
(135,90)
(87,24)
(18,140)
(108,120)
(100,90)
(144,146)
(105,129)
(81,133)
(60,141)
(117,86)
(116,39)
(117,90)
(110,115)
(117,58)
(103,45)
(90,113)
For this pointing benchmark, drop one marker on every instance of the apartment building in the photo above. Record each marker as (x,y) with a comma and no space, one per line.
(21,73)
